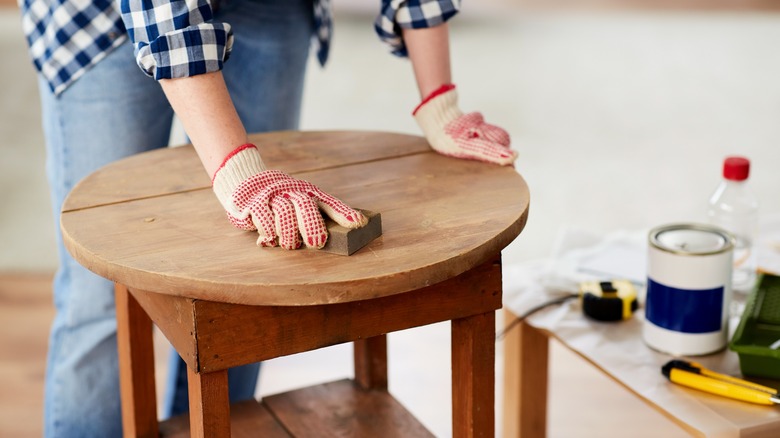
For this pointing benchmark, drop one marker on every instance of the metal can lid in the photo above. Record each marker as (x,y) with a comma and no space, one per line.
(691,239)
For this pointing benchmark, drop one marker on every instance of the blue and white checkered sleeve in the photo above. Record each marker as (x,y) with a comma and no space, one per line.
(411,14)
(174,38)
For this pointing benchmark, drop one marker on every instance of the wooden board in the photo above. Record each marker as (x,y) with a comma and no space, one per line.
(248,419)
(440,217)
(175,170)
(332,409)
(340,409)
(526,358)
(26,313)
(212,336)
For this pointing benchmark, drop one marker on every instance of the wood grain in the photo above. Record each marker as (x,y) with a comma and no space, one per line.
(209,404)
(440,217)
(175,317)
(136,367)
(228,335)
(473,376)
(526,353)
(248,419)
(26,314)
(371,362)
(175,170)
(342,409)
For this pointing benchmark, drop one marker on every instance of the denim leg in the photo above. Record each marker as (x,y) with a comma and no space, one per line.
(265,76)
(266,70)
(112,112)
(115,111)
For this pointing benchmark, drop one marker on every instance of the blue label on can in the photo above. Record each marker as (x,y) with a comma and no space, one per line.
(684,310)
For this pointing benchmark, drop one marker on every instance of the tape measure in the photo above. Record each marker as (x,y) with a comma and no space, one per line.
(608,300)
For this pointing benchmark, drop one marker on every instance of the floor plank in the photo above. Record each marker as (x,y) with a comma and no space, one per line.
(26,312)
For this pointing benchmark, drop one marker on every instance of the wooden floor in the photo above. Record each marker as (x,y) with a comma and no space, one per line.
(26,312)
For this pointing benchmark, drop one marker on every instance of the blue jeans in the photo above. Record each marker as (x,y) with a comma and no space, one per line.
(112,112)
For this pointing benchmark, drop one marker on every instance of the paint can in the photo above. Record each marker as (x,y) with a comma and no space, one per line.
(688,288)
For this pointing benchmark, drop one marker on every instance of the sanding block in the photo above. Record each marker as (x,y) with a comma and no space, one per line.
(345,241)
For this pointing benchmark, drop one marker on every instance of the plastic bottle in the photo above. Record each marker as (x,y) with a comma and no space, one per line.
(734,208)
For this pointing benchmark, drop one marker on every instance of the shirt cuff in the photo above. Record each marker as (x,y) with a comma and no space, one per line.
(410,14)
(195,50)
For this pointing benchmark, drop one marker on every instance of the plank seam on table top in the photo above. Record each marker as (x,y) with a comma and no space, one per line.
(355,163)
(300,172)
(140,198)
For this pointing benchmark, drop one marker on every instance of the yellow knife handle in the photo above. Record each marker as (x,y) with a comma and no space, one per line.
(745,383)
(718,387)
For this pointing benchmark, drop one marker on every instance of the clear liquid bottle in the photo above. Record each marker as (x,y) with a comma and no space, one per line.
(734,208)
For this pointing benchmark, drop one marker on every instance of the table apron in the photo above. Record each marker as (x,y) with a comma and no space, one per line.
(212,336)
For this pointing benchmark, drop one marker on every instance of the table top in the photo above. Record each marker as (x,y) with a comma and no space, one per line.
(152,222)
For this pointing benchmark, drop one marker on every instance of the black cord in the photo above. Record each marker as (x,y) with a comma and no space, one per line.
(533,310)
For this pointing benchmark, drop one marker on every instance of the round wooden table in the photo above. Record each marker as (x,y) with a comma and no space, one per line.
(151,224)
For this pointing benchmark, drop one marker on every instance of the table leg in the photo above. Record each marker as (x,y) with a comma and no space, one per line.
(525,381)
(209,404)
(473,376)
(371,362)
(136,366)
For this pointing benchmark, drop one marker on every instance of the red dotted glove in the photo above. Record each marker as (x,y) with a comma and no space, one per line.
(452,133)
(285,211)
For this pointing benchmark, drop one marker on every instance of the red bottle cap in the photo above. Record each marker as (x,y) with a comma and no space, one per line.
(736,168)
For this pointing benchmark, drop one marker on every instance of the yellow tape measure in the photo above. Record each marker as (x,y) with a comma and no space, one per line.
(608,300)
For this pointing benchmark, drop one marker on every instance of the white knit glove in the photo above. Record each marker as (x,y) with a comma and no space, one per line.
(452,133)
(283,210)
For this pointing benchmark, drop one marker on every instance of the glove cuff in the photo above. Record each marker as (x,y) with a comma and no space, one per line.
(242,163)
(441,90)
(437,110)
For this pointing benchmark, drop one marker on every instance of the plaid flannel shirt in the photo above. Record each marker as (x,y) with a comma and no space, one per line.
(176,38)
(411,14)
